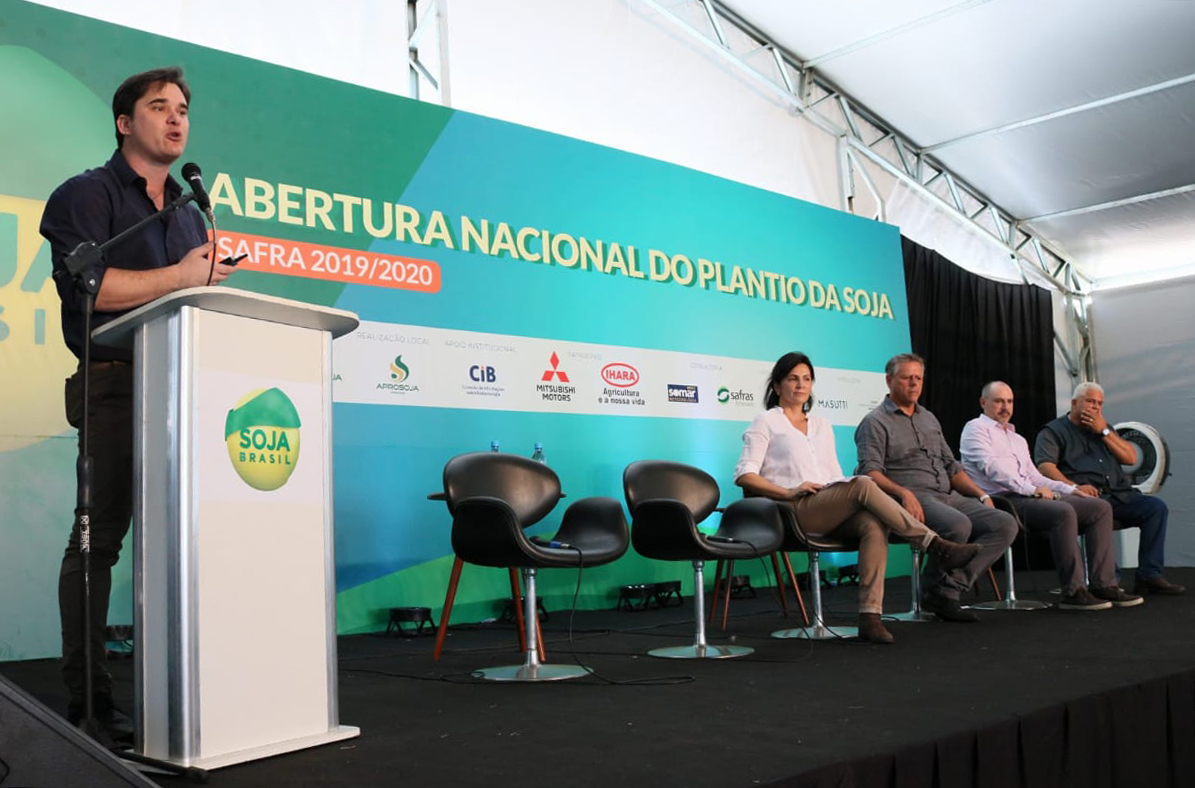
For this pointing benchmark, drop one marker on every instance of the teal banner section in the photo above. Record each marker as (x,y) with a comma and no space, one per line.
(515,286)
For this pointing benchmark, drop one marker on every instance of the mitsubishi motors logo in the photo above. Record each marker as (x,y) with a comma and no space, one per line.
(555,371)
(555,392)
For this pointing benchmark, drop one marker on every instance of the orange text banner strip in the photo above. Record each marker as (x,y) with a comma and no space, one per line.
(314,261)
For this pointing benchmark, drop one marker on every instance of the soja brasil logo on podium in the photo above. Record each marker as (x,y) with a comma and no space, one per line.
(262,433)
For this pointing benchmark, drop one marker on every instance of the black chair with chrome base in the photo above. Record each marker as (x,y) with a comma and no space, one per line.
(1010,601)
(488,530)
(797,540)
(667,500)
(914,614)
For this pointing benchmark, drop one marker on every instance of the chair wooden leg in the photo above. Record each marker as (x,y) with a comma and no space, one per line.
(792,576)
(995,585)
(780,584)
(539,640)
(726,592)
(449,597)
(717,588)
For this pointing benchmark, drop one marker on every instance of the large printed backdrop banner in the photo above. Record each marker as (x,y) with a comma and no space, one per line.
(514,286)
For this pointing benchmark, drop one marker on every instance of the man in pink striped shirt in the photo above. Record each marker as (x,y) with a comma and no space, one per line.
(997,458)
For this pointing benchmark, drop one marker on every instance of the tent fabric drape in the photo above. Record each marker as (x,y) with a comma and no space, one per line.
(971,330)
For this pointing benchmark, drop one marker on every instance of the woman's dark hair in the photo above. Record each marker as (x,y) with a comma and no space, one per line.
(780,372)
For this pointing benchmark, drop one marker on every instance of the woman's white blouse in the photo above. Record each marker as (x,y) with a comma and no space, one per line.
(782,454)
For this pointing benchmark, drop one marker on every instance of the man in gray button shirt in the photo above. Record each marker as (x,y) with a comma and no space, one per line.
(901,448)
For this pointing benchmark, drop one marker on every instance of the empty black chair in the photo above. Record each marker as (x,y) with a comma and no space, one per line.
(487,529)
(457,487)
(667,500)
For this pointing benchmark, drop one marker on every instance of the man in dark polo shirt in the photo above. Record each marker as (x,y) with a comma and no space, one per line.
(902,449)
(1082,449)
(150,114)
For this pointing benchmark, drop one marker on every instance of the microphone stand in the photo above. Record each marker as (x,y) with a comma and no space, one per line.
(80,265)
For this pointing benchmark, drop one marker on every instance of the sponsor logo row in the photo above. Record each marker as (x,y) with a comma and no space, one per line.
(556,383)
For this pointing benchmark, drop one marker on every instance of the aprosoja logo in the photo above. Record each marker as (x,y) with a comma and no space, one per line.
(398,370)
(262,433)
(621,375)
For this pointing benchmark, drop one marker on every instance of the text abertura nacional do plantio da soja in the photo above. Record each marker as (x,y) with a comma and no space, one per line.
(348,214)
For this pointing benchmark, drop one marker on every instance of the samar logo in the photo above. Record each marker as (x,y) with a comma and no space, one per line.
(682,392)
(262,433)
(621,375)
(398,370)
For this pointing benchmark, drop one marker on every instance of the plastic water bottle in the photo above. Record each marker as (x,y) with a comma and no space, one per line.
(538,454)
(494,446)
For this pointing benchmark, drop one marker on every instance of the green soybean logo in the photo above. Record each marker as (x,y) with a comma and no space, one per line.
(262,433)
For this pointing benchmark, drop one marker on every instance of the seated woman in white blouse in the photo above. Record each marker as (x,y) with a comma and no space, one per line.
(789,455)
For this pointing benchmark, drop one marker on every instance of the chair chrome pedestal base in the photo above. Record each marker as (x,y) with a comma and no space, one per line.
(819,630)
(531,669)
(700,649)
(915,614)
(1010,604)
(1010,601)
(536,672)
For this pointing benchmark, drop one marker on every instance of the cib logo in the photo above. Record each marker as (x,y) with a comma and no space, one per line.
(482,374)
(262,433)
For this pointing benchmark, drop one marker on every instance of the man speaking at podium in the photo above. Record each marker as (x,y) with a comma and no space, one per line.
(150,113)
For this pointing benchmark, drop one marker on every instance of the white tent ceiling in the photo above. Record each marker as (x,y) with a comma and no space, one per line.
(1048,107)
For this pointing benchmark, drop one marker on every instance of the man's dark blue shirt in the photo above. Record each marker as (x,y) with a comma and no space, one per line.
(98,205)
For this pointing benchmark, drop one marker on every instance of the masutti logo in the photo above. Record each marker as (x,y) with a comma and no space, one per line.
(262,433)
(621,375)
(726,395)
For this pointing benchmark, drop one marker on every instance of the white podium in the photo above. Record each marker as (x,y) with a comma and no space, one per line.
(234,612)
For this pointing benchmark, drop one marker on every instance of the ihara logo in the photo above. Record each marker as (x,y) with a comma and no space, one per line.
(398,370)
(262,433)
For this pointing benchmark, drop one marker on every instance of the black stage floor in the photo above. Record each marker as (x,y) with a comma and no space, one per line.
(884,714)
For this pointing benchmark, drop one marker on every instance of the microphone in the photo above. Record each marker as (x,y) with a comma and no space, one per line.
(193,176)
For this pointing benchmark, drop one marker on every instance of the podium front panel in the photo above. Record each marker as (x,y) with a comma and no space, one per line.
(233,550)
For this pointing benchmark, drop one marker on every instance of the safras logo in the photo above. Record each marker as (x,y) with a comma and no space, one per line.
(262,433)
(621,375)
(725,395)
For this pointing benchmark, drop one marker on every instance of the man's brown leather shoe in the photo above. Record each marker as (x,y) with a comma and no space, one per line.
(951,555)
(873,630)
(1158,585)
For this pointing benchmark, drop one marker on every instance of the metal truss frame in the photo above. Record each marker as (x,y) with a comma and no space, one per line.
(864,139)
(427,28)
